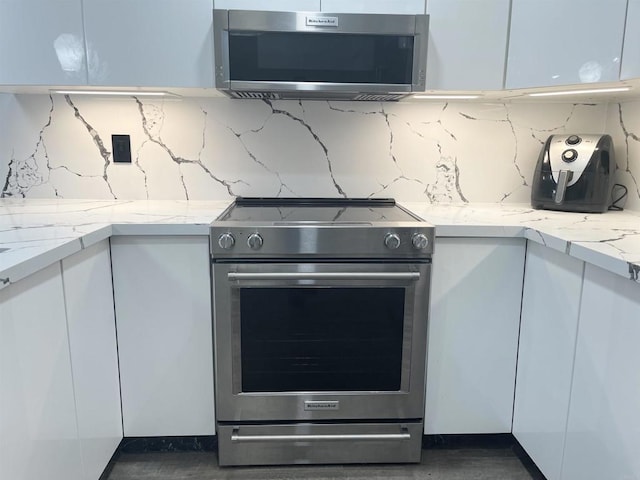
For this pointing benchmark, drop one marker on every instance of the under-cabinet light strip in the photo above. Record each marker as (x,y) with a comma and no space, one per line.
(446,97)
(578,92)
(113,92)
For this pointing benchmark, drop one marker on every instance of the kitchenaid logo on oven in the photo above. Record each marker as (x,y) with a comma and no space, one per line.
(322,21)
(319,405)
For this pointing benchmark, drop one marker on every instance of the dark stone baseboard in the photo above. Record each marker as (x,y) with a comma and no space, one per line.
(498,440)
(209,443)
(205,443)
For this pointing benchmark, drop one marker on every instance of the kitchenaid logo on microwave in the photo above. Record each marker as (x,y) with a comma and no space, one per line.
(322,21)
(326,405)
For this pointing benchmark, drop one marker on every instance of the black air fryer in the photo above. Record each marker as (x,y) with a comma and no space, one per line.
(575,173)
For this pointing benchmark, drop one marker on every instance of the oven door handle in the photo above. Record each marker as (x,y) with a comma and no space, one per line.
(242,276)
(236,437)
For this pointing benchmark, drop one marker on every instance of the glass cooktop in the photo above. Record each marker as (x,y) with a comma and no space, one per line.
(317,210)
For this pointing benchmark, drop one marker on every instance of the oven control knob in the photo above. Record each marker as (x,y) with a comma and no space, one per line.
(420,241)
(392,241)
(226,241)
(255,241)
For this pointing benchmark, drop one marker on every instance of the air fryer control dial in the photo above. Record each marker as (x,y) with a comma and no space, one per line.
(574,158)
(573,140)
(569,155)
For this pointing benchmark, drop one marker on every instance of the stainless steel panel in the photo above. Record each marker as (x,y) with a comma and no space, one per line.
(239,20)
(320,276)
(233,405)
(420,54)
(256,21)
(319,443)
(349,88)
(322,241)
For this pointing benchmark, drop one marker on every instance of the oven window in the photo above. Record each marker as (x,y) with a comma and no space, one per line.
(314,57)
(321,339)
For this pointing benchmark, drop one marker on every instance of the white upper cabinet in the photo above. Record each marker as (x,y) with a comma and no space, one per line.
(271,5)
(631,50)
(41,43)
(374,6)
(154,43)
(562,42)
(467,44)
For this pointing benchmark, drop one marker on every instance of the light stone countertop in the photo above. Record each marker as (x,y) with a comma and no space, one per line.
(38,233)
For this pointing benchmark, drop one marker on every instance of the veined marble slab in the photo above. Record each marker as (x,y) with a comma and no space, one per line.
(610,241)
(38,233)
(60,146)
(41,232)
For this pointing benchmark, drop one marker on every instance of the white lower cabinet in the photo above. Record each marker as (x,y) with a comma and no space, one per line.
(549,323)
(473,334)
(163,315)
(38,432)
(94,358)
(603,432)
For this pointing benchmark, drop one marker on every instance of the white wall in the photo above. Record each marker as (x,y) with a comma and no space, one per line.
(214,148)
(623,124)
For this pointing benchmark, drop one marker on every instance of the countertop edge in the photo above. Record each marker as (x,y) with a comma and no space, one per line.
(596,252)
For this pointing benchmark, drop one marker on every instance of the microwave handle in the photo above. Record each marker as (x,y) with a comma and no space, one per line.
(241,276)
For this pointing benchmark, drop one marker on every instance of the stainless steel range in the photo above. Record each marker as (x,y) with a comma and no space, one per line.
(320,330)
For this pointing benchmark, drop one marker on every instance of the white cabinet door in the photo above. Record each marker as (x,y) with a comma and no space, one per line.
(37,410)
(603,432)
(631,49)
(560,42)
(374,6)
(467,44)
(163,315)
(473,334)
(270,5)
(549,324)
(88,294)
(41,43)
(153,43)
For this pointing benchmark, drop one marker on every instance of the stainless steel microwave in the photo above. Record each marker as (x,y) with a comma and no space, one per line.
(313,55)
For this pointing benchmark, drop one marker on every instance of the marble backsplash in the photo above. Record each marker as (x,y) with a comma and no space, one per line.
(623,124)
(216,148)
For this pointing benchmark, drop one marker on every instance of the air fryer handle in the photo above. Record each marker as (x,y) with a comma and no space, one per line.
(564,177)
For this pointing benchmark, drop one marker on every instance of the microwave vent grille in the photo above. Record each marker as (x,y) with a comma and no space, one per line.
(374,97)
(256,95)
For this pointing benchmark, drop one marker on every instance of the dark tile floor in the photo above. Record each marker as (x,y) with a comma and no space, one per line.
(437,464)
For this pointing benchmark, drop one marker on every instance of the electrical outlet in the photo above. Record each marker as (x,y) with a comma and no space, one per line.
(121,145)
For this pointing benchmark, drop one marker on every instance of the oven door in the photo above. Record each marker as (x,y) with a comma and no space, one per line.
(314,341)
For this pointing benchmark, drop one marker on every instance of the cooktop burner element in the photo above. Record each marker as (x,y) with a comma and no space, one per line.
(320,228)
